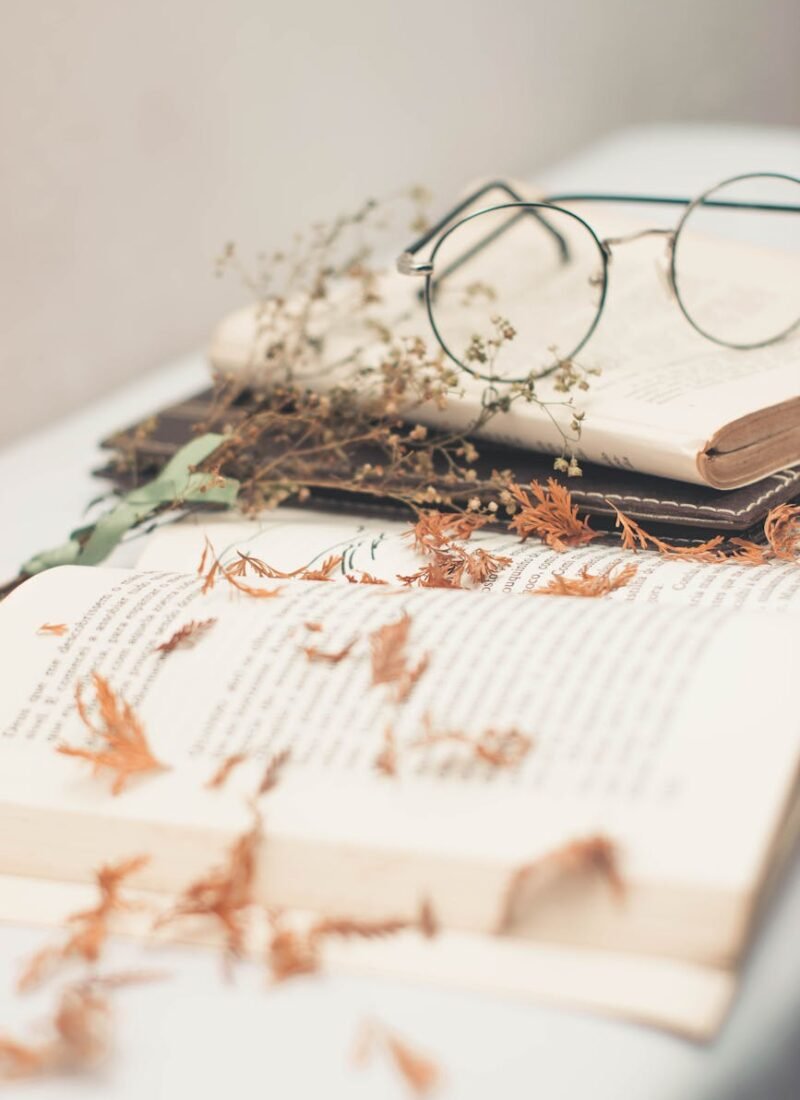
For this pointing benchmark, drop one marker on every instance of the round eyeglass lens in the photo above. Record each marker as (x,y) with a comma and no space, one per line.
(515,290)
(736,261)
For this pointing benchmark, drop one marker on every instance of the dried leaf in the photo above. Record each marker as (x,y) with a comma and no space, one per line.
(314,654)
(186,636)
(261,569)
(364,578)
(588,584)
(782,531)
(230,575)
(90,927)
(501,749)
(714,550)
(390,665)
(386,760)
(553,517)
(591,853)
(419,1072)
(58,630)
(220,776)
(273,771)
(124,749)
(293,951)
(435,529)
(226,893)
(80,1030)
(313,627)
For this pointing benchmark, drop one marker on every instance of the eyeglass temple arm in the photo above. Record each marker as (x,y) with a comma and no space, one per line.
(407,267)
(672,201)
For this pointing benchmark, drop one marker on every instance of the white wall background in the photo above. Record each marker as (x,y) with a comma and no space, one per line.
(138,137)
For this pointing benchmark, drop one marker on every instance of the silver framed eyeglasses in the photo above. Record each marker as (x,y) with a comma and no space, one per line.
(539,272)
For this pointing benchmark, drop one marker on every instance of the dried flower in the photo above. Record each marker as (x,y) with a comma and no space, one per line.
(186,636)
(90,927)
(315,628)
(390,664)
(596,853)
(419,1072)
(553,517)
(124,749)
(588,584)
(58,630)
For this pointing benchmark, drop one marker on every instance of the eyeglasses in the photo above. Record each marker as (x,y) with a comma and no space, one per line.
(534,297)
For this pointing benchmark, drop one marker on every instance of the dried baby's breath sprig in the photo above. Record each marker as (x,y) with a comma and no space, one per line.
(499,748)
(419,1072)
(57,630)
(229,763)
(273,771)
(186,636)
(550,516)
(124,749)
(782,531)
(588,584)
(390,662)
(591,853)
(226,893)
(88,929)
(330,657)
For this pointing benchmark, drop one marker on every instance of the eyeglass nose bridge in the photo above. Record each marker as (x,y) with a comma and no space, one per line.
(670,236)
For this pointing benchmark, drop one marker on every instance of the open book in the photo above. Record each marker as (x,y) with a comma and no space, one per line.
(667,401)
(667,730)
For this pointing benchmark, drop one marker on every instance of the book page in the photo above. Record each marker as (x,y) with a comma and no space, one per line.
(683,997)
(641,718)
(663,392)
(292,538)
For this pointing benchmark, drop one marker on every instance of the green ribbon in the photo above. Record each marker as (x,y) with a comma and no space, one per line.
(176,484)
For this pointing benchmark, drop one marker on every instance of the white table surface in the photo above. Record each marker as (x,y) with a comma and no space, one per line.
(198,1037)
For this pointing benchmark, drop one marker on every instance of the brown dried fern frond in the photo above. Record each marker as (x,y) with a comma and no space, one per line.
(186,636)
(591,853)
(226,893)
(782,531)
(89,928)
(588,584)
(124,748)
(419,1072)
(550,516)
